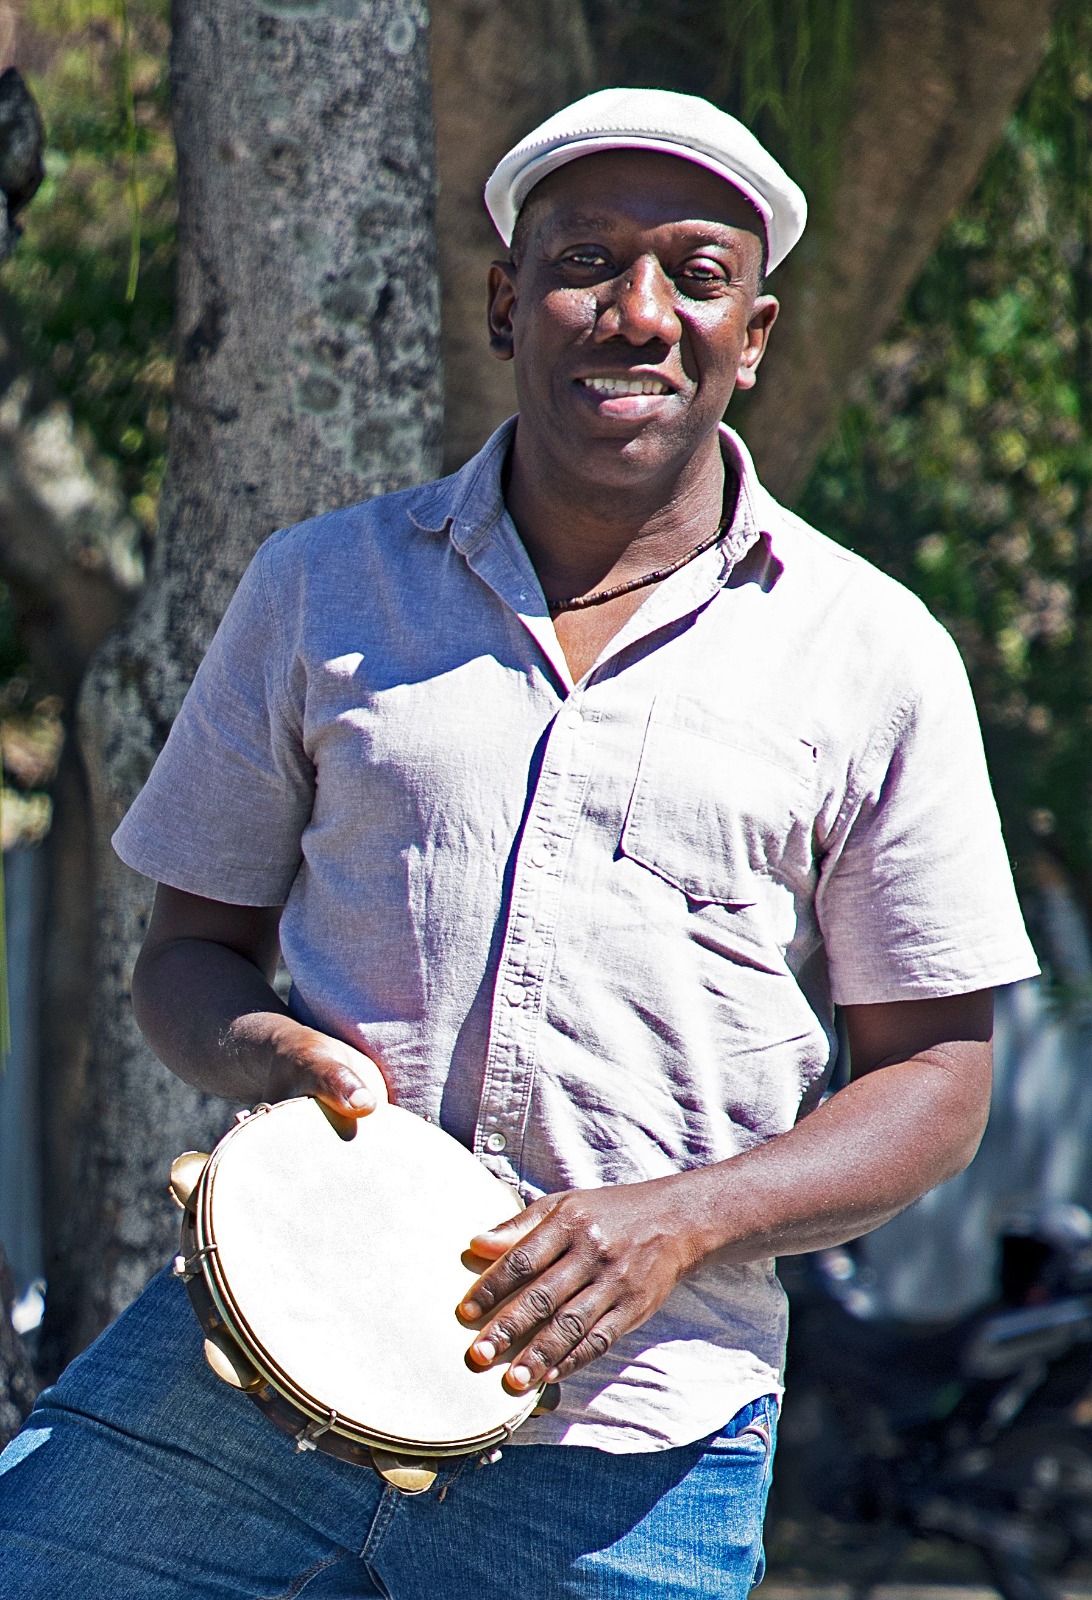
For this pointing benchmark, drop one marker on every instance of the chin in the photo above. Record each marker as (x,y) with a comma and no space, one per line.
(614,454)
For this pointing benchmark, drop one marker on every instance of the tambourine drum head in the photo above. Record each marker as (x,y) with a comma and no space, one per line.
(343,1259)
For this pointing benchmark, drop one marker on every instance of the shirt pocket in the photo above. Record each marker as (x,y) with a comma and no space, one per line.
(720,801)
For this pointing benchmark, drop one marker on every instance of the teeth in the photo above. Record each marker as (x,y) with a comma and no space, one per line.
(625,385)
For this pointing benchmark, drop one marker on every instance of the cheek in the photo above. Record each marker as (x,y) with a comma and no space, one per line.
(711,352)
(558,321)
(571,312)
(690,357)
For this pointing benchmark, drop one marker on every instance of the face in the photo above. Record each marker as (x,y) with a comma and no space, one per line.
(632,313)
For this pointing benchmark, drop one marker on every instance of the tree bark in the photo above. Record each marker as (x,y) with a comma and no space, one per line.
(497,71)
(308,377)
(935,84)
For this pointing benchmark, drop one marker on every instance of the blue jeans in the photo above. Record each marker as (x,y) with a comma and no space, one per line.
(140,1476)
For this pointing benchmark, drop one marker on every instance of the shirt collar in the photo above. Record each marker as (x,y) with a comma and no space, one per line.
(469,504)
(469,508)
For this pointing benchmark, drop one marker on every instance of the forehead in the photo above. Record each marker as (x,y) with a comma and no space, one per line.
(644,188)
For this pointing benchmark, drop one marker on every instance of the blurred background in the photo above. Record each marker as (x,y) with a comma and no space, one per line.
(927,401)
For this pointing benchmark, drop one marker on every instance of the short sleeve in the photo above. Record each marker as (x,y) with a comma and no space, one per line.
(916,898)
(226,803)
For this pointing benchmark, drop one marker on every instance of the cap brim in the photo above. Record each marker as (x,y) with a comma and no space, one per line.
(505,207)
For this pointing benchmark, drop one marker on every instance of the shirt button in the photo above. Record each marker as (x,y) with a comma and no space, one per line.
(540,856)
(495,1143)
(514,996)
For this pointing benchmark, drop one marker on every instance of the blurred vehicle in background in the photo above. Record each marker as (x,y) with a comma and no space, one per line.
(978,1429)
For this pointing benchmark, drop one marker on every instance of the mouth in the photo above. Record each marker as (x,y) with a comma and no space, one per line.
(627,402)
(618,388)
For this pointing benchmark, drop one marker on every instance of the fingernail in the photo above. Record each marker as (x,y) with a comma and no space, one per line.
(470,1309)
(361,1099)
(519,1377)
(485,1350)
(553,1375)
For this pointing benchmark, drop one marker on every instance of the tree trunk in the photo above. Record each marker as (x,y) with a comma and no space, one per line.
(497,71)
(308,377)
(934,86)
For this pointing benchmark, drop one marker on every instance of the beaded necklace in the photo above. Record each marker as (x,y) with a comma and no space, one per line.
(599,596)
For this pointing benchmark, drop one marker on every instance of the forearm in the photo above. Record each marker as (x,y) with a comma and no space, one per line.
(212,1017)
(576,1270)
(855,1162)
(203,998)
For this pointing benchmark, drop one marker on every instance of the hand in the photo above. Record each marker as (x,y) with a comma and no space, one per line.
(306,1061)
(574,1272)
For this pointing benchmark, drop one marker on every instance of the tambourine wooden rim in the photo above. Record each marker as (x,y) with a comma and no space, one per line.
(238,1354)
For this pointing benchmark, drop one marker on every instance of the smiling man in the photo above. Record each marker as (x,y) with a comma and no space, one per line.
(578,789)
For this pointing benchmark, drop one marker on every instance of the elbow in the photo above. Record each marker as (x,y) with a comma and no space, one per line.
(964,1120)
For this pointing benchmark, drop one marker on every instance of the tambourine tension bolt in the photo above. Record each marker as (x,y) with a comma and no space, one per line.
(187,1267)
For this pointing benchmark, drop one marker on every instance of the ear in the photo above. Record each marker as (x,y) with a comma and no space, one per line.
(502,302)
(763,317)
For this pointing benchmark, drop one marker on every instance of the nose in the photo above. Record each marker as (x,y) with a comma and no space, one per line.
(640,306)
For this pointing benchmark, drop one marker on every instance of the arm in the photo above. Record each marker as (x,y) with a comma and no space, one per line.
(203,998)
(575,1271)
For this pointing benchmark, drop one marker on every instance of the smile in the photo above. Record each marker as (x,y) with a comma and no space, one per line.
(620,386)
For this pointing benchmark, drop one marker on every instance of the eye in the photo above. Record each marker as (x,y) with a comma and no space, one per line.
(701,274)
(585,258)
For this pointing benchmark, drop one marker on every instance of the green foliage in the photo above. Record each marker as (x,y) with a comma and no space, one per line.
(110,175)
(964,465)
(787,72)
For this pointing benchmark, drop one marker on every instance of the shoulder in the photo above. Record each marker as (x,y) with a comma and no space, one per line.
(862,612)
(354,564)
(840,575)
(345,570)
(337,541)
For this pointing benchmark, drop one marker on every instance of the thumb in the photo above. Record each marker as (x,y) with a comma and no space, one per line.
(496,1242)
(345,1079)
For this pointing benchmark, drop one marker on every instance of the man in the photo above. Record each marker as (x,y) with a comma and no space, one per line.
(578,789)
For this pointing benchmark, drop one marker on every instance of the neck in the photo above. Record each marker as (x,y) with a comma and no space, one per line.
(582,535)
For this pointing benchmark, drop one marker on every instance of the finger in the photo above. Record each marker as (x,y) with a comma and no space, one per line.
(344,1079)
(539,1302)
(495,1241)
(344,1096)
(364,1071)
(529,1256)
(595,1343)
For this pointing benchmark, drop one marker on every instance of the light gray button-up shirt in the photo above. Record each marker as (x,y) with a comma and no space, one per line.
(596,930)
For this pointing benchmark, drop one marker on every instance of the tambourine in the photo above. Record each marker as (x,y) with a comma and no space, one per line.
(325,1257)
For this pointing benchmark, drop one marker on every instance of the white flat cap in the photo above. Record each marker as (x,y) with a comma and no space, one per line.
(652,119)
